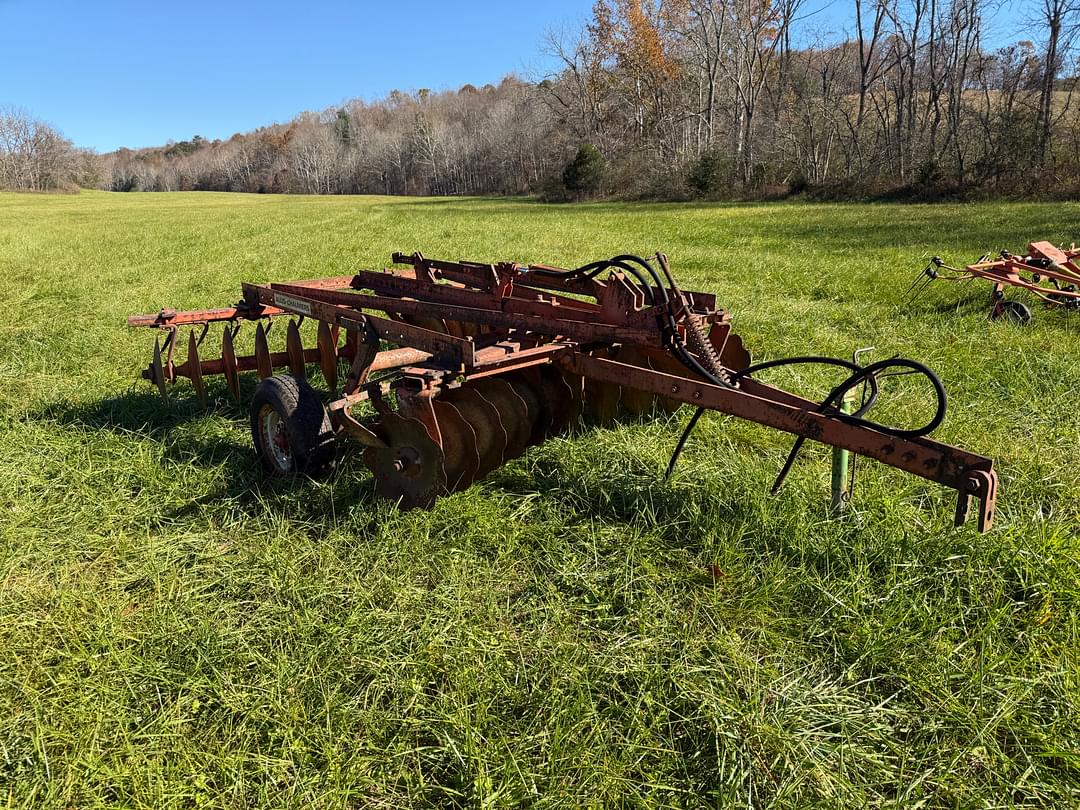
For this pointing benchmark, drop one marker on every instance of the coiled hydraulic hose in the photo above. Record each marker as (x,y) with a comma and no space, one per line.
(665,320)
(867,376)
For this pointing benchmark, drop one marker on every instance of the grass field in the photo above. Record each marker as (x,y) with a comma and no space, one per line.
(176,631)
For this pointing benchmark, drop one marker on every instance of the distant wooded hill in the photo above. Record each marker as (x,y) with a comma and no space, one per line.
(691,97)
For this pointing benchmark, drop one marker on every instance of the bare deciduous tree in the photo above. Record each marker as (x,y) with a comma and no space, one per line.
(33,155)
(724,97)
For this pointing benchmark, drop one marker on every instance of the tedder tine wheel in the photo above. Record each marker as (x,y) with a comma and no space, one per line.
(409,469)
(291,428)
(483,418)
(512,409)
(195,368)
(460,459)
(1012,311)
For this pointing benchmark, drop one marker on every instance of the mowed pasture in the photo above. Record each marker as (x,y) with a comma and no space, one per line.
(178,631)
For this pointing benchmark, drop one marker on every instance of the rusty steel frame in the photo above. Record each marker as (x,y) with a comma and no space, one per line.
(450,324)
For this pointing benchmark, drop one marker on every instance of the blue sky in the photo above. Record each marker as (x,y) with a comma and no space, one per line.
(126,73)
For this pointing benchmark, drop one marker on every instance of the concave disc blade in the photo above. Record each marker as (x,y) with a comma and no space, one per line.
(158,371)
(576,384)
(409,469)
(635,401)
(195,368)
(262,354)
(539,417)
(513,412)
(667,364)
(228,363)
(528,383)
(327,354)
(460,459)
(294,347)
(602,398)
(558,398)
(484,419)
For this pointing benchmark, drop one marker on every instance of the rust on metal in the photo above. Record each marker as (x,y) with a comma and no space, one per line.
(263,359)
(464,365)
(328,356)
(1049,275)
(294,348)
(194,368)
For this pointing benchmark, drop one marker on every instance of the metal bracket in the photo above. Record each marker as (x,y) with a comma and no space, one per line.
(981,484)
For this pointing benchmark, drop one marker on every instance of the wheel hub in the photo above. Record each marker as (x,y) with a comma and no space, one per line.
(275,439)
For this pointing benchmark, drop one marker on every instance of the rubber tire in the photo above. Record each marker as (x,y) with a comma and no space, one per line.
(1015,312)
(307,425)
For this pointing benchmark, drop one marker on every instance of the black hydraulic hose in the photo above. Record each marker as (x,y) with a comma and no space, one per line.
(599,267)
(670,328)
(591,270)
(813,359)
(869,373)
(623,263)
(861,374)
(667,324)
(665,321)
(648,269)
(647,288)
(746,372)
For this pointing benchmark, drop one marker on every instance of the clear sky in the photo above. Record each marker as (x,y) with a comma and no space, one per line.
(125,73)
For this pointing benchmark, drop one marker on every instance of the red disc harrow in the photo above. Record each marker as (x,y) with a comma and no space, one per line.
(467,364)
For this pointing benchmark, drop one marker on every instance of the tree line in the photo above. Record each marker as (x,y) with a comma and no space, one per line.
(489,140)
(670,99)
(36,157)
(715,97)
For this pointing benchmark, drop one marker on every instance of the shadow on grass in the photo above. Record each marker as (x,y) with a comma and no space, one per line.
(968,303)
(627,489)
(174,428)
(980,303)
(134,412)
(141,414)
(628,492)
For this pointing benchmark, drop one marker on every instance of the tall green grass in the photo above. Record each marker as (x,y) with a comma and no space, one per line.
(178,631)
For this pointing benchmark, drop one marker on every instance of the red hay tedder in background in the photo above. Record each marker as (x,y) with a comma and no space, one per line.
(470,363)
(1049,273)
